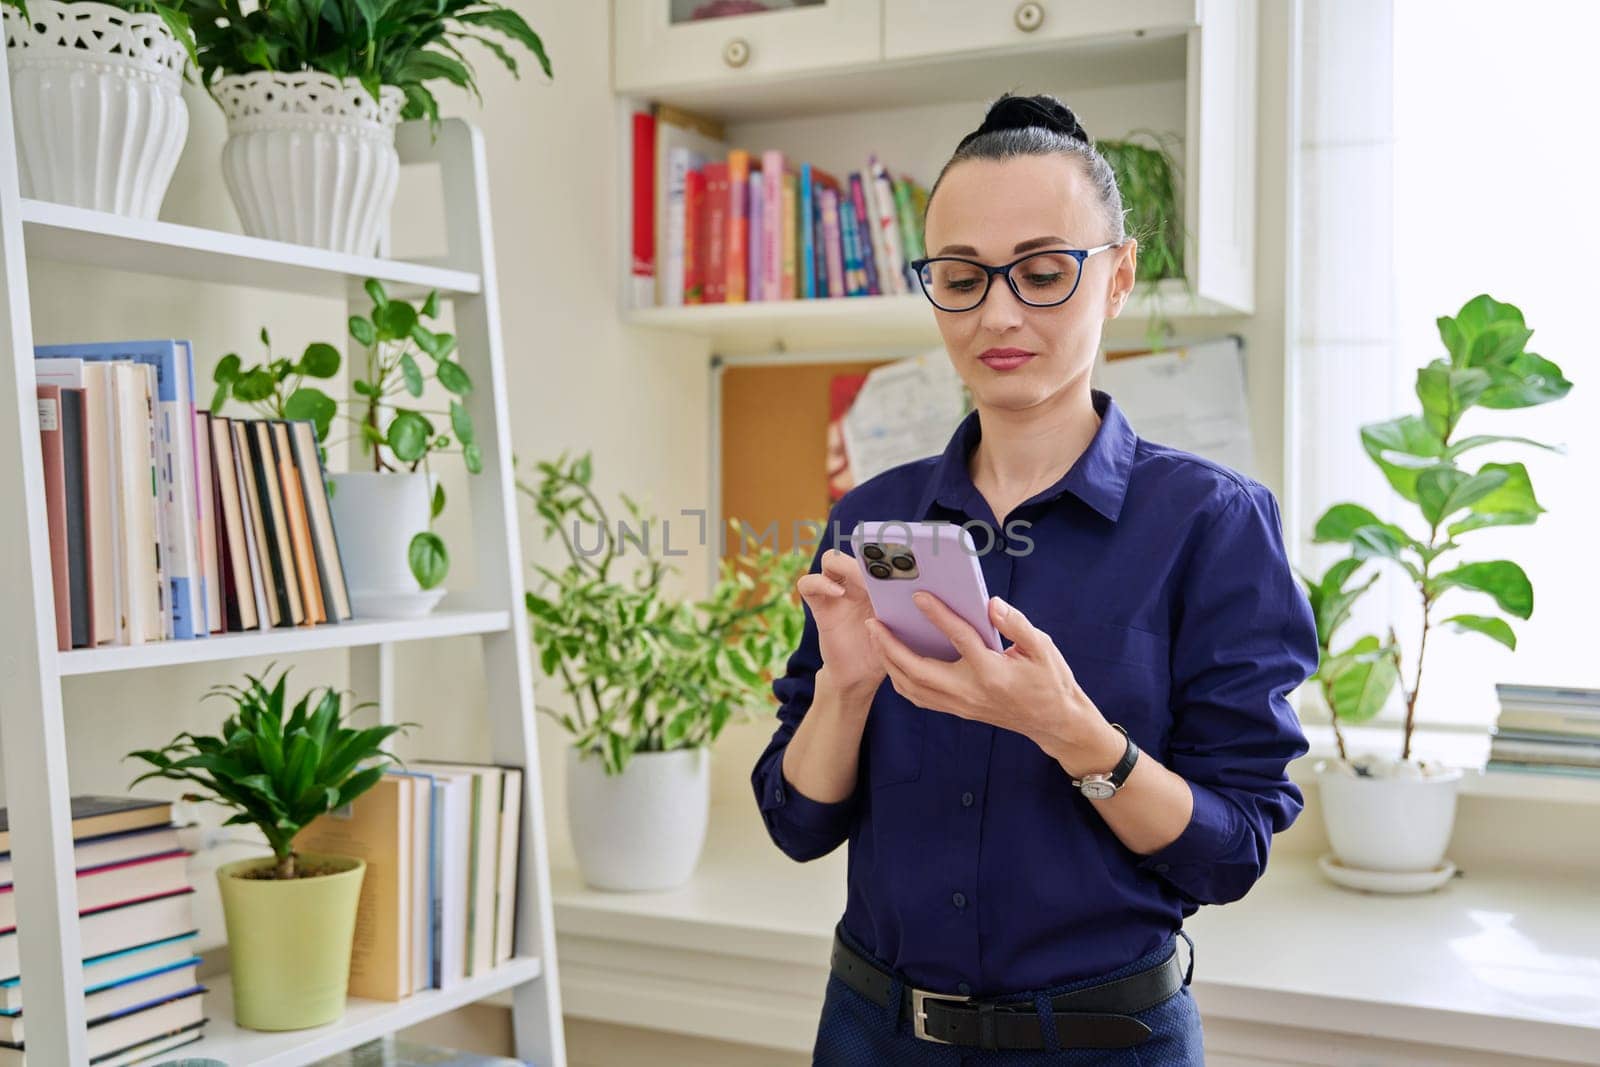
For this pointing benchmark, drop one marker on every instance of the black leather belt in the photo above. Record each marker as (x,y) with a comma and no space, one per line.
(1096,1016)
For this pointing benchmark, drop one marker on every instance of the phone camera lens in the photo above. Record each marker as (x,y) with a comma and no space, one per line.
(872,551)
(904,562)
(879,570)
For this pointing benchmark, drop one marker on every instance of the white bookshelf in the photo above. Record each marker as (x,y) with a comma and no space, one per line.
(34,729)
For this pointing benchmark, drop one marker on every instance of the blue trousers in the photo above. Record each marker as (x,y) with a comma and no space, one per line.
(855,1032)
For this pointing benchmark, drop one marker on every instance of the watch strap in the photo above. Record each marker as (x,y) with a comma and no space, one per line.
(1118,774)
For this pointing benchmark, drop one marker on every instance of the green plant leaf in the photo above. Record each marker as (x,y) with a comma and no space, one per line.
(472,456)
(1484,333)
(227,369)
(364,387)
(438,500)
(1360,681)
(429,559)
(1501,579)
(1487,625)
(1528,380)
(254,385)
(461,422)
(411,373)
(430,306)
(374,287)
(1446,393)
(426,339)
(408,435)
(1466,444)
(319,360)
(363,331)
(308,402)
(453,378)
(1407,438)
(1443,491)
(394,320)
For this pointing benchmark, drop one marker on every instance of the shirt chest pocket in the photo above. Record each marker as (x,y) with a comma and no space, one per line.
(891,751)
(1125,671)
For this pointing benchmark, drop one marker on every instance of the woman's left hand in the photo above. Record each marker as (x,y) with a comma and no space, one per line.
(1028,688)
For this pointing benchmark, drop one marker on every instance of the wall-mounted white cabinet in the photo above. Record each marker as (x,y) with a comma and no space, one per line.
(675,42)
(905,79)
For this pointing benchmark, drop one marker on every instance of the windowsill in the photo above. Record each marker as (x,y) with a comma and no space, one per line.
(738,953)
(1466,750)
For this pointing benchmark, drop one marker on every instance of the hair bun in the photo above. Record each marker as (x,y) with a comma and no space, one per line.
(1019,112)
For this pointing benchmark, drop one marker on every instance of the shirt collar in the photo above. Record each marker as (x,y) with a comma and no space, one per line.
(1099,478)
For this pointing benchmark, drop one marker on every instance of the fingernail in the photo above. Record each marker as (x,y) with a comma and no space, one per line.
(1005,609)
(920,597)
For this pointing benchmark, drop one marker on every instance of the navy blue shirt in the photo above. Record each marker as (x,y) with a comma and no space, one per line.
(974,864)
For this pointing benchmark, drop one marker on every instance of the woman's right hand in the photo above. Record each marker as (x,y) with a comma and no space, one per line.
(837,596)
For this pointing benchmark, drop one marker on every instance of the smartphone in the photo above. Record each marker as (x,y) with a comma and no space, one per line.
(898,558)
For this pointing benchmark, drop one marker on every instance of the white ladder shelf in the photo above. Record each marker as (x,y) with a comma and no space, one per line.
(33,737)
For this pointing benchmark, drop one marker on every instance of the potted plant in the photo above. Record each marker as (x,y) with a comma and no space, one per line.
(393,560)
(312,93)
(652,680)
(96,97)
(290,916)
(1147,175)
(1383,813)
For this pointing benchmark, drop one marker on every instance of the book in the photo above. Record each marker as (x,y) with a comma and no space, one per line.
(314,479)
(210,549)
(773,168)
(482,859)
(868,237)
(267,605)
(99,467)
(113,884)
(80,559)
(790,243)
(643,269)
(888,225)
(99,850)
(714,218)
(141,590)
(118,927)
(279,556)
(693,231)
(114,968)
(680,137)
(93,816)
(55,508)
(426,801)
(738,230)
(234,556)
(121,1031)
(114,997)
(376,827)
(294,508)
(173,363)
(756,253)
(505,899)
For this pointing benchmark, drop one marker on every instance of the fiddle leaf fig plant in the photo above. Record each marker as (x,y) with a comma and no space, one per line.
(400,356)
(278,768)
(646,672)
(1429,463)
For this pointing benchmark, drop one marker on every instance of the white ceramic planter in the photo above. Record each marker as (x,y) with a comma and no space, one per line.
(1400,824)
(642,829)
(310,158)
(375,516)
(96,96)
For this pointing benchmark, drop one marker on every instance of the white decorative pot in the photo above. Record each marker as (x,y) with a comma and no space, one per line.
(310,158)
(96,96)
(375,516)
(1399,819)
(642,829)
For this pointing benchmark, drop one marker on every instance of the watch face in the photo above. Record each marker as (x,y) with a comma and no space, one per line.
(1097,789)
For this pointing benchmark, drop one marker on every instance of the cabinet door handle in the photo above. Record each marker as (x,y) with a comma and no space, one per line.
(1029,16)
(736,53)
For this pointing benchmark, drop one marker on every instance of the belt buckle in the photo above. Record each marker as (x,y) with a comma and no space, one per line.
(919,1017)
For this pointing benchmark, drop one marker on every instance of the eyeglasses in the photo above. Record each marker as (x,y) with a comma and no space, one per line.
(1048,278)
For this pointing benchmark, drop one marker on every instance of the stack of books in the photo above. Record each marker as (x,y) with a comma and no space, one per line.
(1546,730)
(138,936)
(717,224)
(438,900)
(167,523)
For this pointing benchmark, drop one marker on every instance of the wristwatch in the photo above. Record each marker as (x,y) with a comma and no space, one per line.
(1101,785)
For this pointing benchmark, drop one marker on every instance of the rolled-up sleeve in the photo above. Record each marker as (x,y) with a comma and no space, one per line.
(1244,639)
(803,828)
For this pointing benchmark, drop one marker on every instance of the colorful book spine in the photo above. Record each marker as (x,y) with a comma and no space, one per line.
(643,268)
(910,230)
(679,162)
(772,171)
(694,268)
(738,235)
(711,236)
(831,243)
(864,229)
(791,238)
(808,269)
(894,272)
(756,262)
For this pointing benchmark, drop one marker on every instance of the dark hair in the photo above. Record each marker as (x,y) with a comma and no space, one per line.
(1040,125)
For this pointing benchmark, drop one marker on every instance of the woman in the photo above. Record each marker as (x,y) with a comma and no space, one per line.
(1028,829)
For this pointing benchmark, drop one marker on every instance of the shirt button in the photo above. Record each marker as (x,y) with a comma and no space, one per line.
(959,900)
(778,793)
(966,800)
(964,989)
(1162,867)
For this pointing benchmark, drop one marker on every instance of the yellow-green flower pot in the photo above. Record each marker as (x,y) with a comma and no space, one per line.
(289,941)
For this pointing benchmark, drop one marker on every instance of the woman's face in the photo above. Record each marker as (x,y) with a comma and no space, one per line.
(992,207)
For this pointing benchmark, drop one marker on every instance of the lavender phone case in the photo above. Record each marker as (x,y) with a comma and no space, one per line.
(945,564)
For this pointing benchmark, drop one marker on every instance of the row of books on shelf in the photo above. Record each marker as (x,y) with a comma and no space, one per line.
(1546,730)
(719,224)
(142,994)
(437,906)
(168,522)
